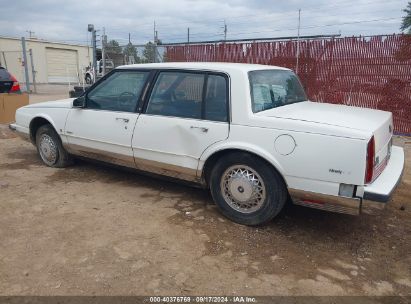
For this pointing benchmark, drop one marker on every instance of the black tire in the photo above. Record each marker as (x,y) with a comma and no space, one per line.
(72,94)
(88,79)
(61,158)
(275,189)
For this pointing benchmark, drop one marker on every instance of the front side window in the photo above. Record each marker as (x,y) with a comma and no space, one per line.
(119,92)
(274,88)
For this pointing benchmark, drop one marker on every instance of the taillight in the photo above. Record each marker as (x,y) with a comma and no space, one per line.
(16,85)
(369,169)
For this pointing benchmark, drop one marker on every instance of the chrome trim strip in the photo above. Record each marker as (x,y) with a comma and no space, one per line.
(141,164)
(167,169)
(347,205)
(100,155)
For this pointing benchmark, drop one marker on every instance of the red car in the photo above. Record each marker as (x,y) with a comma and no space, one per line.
(8,83)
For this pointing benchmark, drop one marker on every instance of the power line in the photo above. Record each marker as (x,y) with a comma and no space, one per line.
(316,8)
(311,15)
(287,29)
(317,26)
(289,12)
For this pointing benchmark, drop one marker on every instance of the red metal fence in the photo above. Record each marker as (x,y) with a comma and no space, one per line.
(372,72)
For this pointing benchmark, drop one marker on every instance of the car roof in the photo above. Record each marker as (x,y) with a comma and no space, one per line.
(210,66)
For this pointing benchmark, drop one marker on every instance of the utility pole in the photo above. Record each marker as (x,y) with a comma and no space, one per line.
(225,30)
(155,42)
(156,49)
(93,43)
(26,68)
(33,72)
(298,40)
(103,50)
(154,32)
(30,33)
(188,35)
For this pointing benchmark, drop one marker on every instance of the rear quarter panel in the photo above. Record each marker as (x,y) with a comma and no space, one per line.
(309,166)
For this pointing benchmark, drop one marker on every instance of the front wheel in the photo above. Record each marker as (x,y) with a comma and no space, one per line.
(246,189)
(50,148)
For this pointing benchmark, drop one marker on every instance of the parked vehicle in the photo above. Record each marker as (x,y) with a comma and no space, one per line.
(8,83)
(89,75)
(77,91)
(246,132)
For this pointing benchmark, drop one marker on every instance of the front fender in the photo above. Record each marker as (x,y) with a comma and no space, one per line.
(45,117)
(55,116)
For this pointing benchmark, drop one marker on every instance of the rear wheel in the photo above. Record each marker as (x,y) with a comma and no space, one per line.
(50,148)
(246,189)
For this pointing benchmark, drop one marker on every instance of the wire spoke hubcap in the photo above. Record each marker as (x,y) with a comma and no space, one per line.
(243,189)
(48,149)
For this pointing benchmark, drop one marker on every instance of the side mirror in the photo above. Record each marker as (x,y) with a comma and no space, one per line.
(79,102)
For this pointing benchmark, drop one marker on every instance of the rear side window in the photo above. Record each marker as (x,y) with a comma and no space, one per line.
(189,95)
(216,98)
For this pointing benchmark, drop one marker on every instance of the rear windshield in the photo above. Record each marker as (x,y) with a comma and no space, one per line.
(274,88)
(4,75)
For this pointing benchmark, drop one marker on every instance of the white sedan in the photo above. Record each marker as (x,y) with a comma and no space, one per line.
(246,132)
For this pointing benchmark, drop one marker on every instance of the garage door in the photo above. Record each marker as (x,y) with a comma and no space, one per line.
(61,65)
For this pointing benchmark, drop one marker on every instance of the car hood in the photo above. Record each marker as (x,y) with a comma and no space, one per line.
(331,114)
(63,103)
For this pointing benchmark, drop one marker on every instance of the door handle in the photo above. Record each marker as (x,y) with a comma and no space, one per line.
(123,119)
(203,129)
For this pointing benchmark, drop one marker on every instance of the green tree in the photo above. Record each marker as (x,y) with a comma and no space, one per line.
(406,20)
(131,51)
(113,47)
(165,55)
(149,52)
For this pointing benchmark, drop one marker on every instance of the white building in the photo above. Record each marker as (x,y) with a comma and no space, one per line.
(54,62)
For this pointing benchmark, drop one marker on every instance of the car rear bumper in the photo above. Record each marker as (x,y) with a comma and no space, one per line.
(379,193)
(369,198)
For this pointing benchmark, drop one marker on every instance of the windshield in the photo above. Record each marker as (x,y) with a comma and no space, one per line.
(274,88)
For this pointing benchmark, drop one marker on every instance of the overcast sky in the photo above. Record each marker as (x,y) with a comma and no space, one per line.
(67,20)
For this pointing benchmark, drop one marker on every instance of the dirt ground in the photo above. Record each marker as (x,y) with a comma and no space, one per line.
(96,230)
